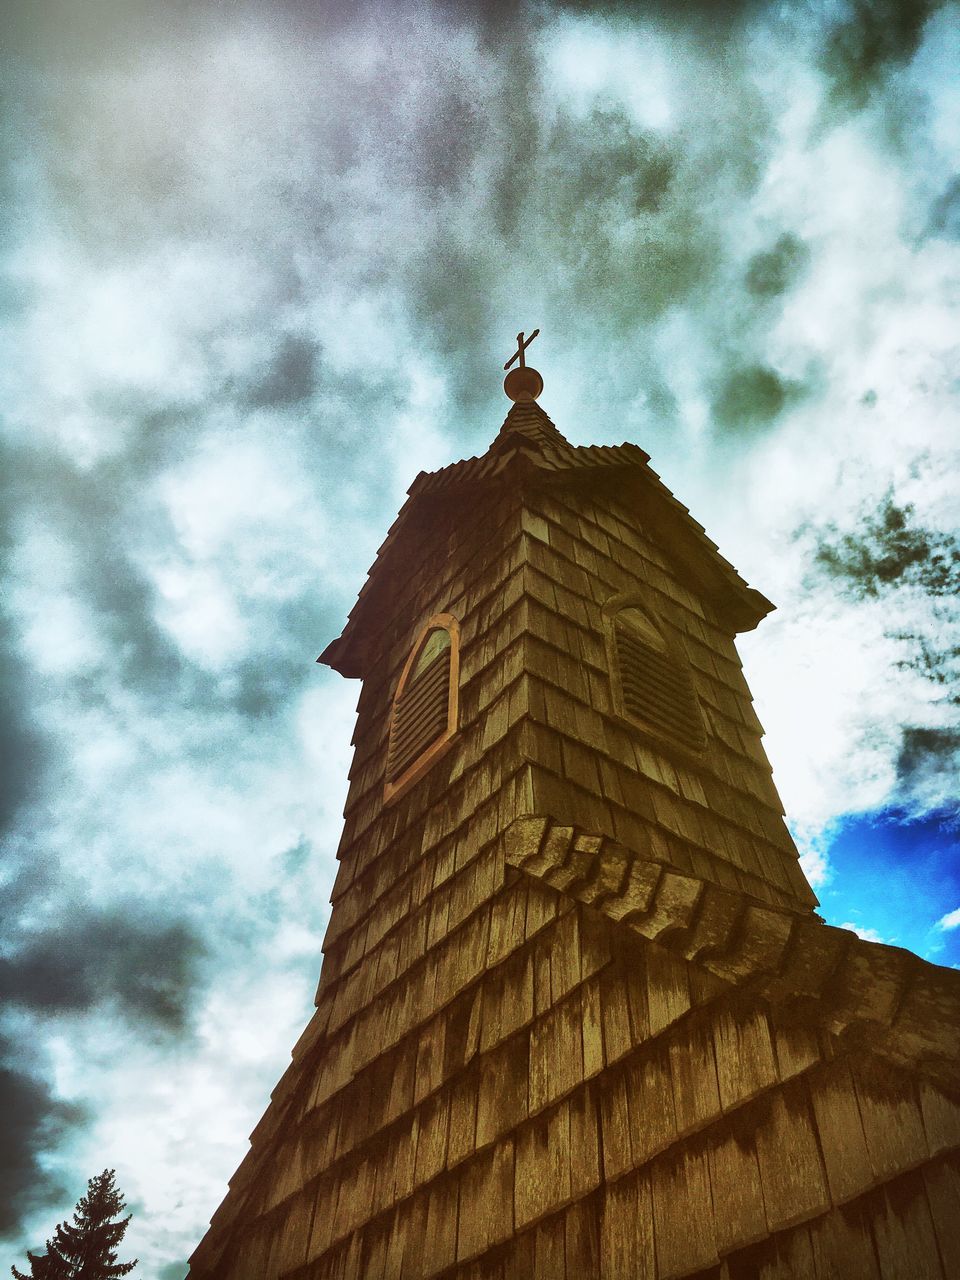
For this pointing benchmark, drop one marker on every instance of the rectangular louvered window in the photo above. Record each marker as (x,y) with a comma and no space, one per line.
(420,714)
(657,691)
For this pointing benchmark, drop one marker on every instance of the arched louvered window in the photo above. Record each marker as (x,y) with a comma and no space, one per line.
(652,684)
(423,718)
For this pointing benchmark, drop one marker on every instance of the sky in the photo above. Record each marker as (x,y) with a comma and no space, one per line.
(261,264)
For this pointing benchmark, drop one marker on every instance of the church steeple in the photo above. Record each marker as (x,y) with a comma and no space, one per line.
(576,1016)
(588,538)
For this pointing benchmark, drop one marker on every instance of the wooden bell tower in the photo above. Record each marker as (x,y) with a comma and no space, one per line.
(577,1017)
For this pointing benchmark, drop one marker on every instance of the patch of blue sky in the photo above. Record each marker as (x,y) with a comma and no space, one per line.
(897,880)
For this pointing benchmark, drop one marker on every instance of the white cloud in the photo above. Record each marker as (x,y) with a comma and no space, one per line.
(868,935)
(58,629)
(590,65)
(162,1099)
(950,921)
(201,614)
(812,845)
(829,695)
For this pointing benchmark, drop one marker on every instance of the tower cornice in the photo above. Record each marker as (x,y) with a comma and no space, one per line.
(530,449)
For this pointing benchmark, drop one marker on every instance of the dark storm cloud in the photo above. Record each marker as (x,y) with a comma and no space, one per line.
(609,213)
(892,552)
(24,749)
(926,752)
(890,549)
(34,1123)
(945,211)
(61,955)
(936,658)
(125,602)
(715,16)
(872,37)
(773,271)
(752,396)
(89,509)
(609,178)
(291,375)
(267,682)
(609,158)
(99,514)
(149,971)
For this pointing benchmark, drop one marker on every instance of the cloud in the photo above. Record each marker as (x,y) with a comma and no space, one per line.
(149,969)
(813,843)
(868,935)
(751,396)
(945,211)
(34,1123)
(868,623)
(701,15)
(291,376)
(78,963)
(890,547)
(871,37)
(771,272)
(927,759)
(950,921)
(23,747)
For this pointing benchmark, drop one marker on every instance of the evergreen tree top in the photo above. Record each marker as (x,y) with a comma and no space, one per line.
(85,1249)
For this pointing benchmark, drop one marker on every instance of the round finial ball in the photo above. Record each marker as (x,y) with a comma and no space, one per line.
(523,384)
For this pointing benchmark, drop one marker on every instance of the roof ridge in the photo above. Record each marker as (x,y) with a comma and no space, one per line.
(527,418)
(784,955)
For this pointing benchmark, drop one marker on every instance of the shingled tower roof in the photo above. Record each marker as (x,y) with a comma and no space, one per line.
(577,1017)
(529,443)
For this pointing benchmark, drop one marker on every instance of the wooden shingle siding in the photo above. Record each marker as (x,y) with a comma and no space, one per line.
(941,1180)
(642,1144)
(575,1017)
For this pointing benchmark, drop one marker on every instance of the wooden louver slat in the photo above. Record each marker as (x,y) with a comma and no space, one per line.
(658,692)
(419,715)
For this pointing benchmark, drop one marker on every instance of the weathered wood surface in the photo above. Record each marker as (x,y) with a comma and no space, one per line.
(608,1040)
(875,995)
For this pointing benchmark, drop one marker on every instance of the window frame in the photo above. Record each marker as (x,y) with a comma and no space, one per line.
(658,736)
(392,790)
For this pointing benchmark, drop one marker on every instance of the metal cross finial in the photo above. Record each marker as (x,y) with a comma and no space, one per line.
(521,348)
